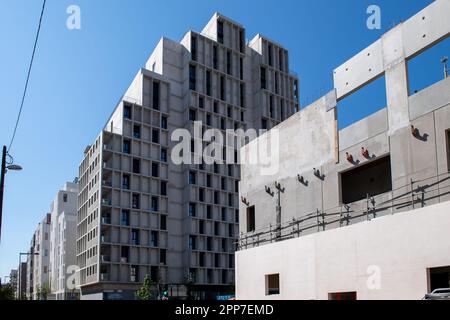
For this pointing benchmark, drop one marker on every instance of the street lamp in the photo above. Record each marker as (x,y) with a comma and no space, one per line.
(5,167)
(444,62)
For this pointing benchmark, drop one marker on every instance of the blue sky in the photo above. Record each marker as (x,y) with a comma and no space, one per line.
(79,75)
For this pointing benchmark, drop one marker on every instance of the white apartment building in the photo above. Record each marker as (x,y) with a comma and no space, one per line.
(63,242)
(138,212)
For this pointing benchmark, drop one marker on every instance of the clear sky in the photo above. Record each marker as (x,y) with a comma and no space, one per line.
(79,75)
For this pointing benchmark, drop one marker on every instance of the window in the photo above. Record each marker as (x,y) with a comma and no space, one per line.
(154,239)
(208,82)
(155,170)
(216,107)
(136,132)
(164,122)
(371,179)
(224,214)
(192,115)
(276,83)
(220,32)
(263,78)
(162,256)
(163,190)
(201,227)
(342,296)
(241,68)
(222,88)
(201,195)
(127,112)
(192,243)
(201,259)
(163,155)
(229,112)
(241,41)
(229,62)
(155,136)
(154,273)
(192,209)
(155,204)
(216,197)
(209,244)
(222,123)
(65,197)
(125,218)
(272,115)
(208,120)
(217,260)
(215,57)
(208,212)
(223,183)
(135,201)
(280,59)
(192,179)
(136,166)
(192,77)
(224,276)
(269,49)
(156,95)
(201,103)
(216,228)
(251,219)
(135,237)
(242,95)
(163,223)
(272,284)
(127,146)
(134,274)
(194,48)
(126,181)
(208,181)
(264,124)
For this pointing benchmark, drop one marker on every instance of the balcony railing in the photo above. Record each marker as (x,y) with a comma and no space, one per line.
(416,194)
(104,276)
(106,220)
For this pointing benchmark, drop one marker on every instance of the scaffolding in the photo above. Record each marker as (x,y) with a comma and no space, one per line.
(413,195)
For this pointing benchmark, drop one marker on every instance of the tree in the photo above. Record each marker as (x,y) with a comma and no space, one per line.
(6,292)
(145,292)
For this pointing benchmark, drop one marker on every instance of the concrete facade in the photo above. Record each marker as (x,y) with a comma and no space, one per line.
(141,214)
(38,280)
(63,241)
(409,137)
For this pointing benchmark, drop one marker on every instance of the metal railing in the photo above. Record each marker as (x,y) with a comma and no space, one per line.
(414,195)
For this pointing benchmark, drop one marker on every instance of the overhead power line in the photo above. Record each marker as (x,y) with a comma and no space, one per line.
(28,76)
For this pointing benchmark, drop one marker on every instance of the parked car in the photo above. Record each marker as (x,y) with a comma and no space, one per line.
(438,294)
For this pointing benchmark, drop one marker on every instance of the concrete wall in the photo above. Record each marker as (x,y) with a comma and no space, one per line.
(401,247)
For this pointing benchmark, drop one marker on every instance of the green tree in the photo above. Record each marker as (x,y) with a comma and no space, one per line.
(6,292)
(145,292)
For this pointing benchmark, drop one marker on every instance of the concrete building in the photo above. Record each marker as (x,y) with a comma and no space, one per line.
(38,281)
(21,281)
(138,212)
(358,213)
(63,241)
(13,280)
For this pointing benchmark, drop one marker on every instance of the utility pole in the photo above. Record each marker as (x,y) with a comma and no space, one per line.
(2,187)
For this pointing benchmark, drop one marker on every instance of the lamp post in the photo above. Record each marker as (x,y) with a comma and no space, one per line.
(5,167)
(444,62)
(19,284)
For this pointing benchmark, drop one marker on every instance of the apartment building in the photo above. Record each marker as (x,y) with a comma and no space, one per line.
(63,228)
(139,213)
(21,281)
(362,212)
(38,281)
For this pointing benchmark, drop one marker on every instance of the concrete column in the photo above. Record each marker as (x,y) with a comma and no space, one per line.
(397,96)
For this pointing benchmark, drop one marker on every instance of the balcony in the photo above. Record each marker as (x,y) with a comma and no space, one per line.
(105,239)
(106,202)
(108,147)
(107,183)
(106,220)
(104,276)
(105,258)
